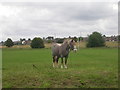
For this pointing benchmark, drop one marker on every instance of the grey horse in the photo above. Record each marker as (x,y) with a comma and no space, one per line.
(62,51)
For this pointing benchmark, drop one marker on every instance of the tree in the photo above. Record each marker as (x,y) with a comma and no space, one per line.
(29,39)
(80,38)
(23,39)
(104,36)
(37,43)
(69,37)
(9,42)
(95,40)
(50,38)
(75,39)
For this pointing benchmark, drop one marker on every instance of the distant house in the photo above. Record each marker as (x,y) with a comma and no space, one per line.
(23,42)
(2,43)
(26,42)
(17,43)
(112,38)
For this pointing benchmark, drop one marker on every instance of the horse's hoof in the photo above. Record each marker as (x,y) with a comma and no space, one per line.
(66,67)
(57,67)
(53,66)
(61,66)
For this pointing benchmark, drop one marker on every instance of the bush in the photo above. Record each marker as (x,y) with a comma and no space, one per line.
(80,38)
(95,40)
(49,41)
(9,42)
(37,43)
(60,40)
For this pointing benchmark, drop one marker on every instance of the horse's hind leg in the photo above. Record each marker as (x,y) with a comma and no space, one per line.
(55,61)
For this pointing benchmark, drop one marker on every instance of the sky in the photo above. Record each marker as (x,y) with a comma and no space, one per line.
(57,19)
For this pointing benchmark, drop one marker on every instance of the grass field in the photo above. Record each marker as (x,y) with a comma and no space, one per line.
(88,68)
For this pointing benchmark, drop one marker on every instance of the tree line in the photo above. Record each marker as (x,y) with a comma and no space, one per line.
(96,39)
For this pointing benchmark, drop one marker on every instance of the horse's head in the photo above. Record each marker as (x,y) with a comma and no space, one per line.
(72,44)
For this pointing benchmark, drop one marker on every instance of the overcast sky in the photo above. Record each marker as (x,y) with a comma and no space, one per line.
(29,20)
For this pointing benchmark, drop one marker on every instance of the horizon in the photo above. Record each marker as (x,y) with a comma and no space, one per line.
(52,36)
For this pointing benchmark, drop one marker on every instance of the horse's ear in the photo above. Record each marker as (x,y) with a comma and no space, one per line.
(72,40)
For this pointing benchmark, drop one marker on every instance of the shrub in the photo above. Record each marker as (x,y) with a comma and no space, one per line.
(9,42)
(60,40)
(49,41)
(95,40)
(37,43)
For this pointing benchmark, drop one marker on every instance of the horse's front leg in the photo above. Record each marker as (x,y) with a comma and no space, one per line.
(62,62)
(53,61)
(65,65)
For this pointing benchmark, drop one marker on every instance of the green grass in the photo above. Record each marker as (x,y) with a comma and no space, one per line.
(88,68)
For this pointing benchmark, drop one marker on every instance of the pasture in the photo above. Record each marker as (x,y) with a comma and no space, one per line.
(88,68)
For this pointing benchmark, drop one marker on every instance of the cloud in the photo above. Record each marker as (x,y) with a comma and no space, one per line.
(27,20)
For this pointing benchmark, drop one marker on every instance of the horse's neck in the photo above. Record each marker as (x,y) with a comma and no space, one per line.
(64,45)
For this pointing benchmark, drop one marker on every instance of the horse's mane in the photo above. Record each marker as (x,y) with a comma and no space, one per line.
(67,41)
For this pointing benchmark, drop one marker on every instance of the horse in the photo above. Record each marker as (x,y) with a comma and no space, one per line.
(62,51)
